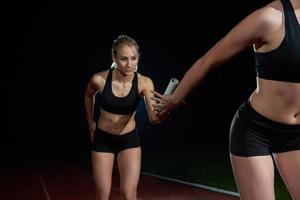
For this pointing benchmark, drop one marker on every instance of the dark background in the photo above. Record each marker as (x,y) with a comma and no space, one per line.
(51,49)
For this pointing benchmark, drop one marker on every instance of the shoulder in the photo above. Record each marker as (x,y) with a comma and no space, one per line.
(263,21)
(99,78)
(100,75)
(143,78)
(144,81)
(269,16)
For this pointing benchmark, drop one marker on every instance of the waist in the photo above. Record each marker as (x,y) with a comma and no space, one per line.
(116,124)
(261,123)
(112,135)
(278,101)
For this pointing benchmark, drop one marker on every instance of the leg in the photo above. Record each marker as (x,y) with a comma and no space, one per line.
(288,164)
(254,177)
(102,171)
(129,163)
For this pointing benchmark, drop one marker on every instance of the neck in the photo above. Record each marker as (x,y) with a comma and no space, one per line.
(122,77)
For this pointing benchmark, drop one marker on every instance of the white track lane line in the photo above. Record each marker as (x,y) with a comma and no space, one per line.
(195,184)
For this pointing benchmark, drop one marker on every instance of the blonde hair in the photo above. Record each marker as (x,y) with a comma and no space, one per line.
(123,40)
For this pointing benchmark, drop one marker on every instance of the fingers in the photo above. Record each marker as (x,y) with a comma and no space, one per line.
(157,94)
(156,99)
(161,112)
(159,104)
(162,116)
(158,107)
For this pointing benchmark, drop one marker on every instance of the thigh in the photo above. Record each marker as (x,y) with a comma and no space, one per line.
(249,134)
(254,177)
(129,164)
(102,163)
(288,164)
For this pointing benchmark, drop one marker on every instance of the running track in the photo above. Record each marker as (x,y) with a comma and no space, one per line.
(65,181)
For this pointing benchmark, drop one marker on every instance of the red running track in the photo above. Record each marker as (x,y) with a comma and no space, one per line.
(57,181)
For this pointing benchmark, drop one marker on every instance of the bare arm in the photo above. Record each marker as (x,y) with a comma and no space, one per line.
(249,31)
(148,95)
(89,97)
(89,103)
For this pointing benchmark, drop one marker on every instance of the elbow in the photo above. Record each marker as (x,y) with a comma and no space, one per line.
(88,96)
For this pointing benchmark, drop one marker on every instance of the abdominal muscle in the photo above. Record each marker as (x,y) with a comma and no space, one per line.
(116,124)
(277,100)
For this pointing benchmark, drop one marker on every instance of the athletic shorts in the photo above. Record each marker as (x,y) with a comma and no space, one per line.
(107,142)
(252,134)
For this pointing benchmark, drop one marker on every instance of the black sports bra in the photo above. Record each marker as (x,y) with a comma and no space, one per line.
(283,63)
(120,105)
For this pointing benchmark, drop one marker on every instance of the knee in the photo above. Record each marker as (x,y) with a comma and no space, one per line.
(102,195)
(128,193)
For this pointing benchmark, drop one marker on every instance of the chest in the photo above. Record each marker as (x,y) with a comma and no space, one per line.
(119,89)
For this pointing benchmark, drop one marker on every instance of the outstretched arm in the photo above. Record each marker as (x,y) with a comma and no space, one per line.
(148,87)
(249,31)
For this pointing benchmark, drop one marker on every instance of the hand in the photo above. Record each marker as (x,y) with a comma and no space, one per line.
(163,105)
(162,116)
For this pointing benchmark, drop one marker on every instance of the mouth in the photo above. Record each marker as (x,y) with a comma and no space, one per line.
(129,69)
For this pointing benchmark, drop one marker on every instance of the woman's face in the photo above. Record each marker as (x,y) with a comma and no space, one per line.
(127,59)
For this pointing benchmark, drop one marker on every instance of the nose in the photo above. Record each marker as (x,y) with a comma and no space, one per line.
(129,63)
